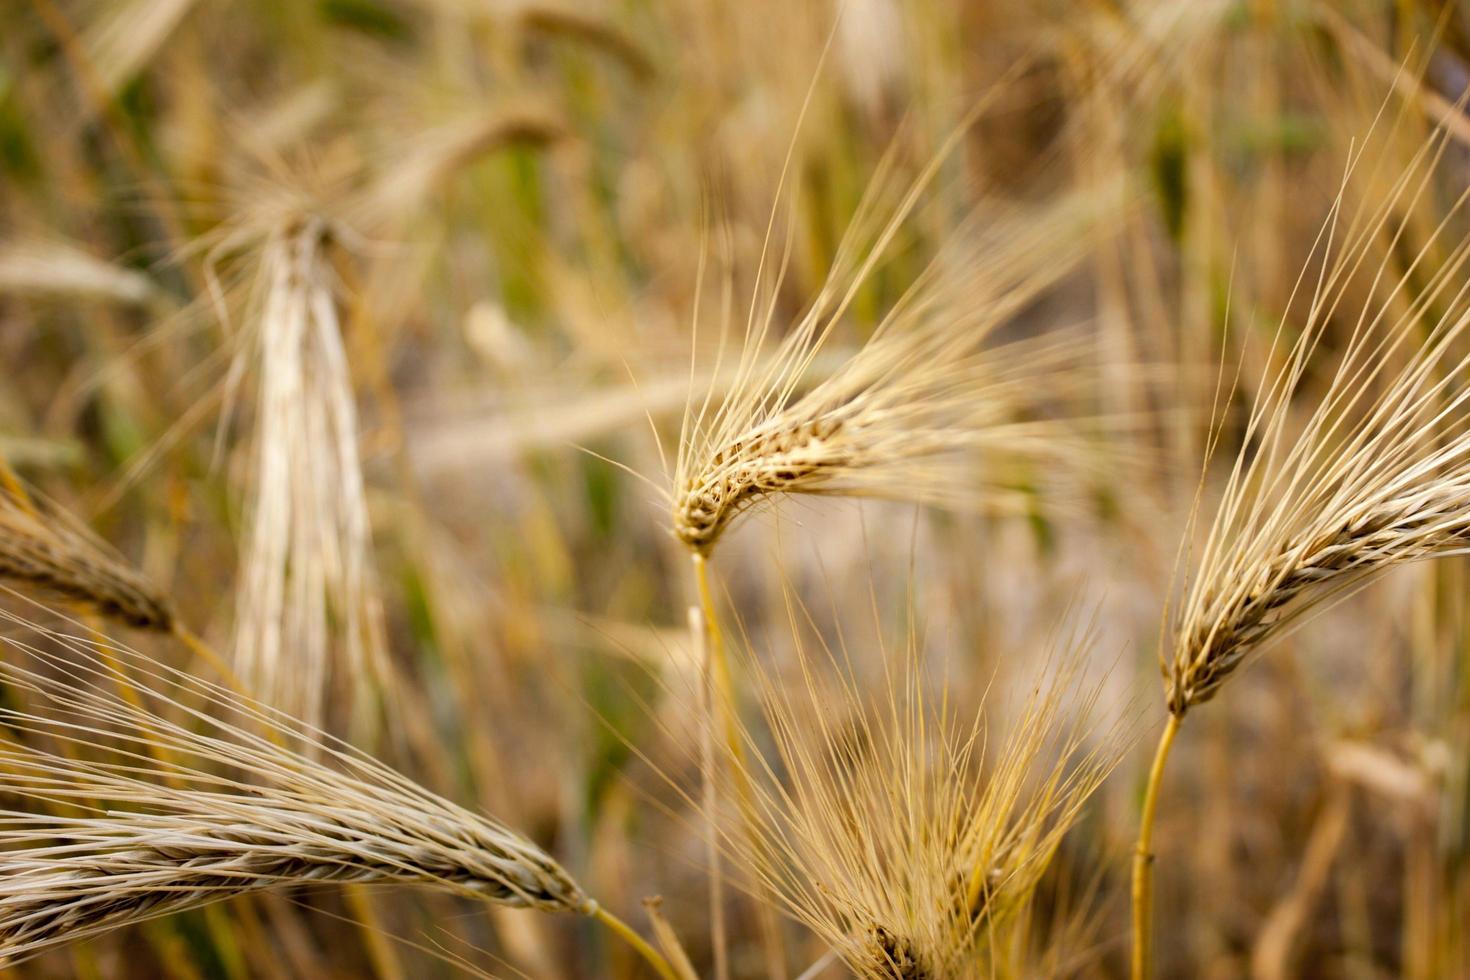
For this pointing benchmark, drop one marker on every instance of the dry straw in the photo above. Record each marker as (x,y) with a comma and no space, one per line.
(1376,475)
(906,835)
(61,270)
(204,800)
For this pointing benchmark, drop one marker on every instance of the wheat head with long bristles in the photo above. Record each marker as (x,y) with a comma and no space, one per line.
(1378,475)
(309,618)
(929,392)
(141,811)
(43,549)
(890,826)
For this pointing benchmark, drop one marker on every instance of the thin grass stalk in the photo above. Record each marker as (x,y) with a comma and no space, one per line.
(711,796)
(724,717)
(1143,856)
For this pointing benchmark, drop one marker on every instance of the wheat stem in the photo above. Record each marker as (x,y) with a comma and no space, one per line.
(630,936)
(723,707)
(711,801)
(720,673)
(1143,858)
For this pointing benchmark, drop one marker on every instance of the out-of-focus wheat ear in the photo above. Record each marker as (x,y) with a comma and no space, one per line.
(404,183)
(568,21)
(64,271)
(42,550)
(207,800)
(309,618)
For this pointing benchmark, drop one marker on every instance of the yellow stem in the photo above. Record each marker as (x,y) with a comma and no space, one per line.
(381,954)
(724,684)
(1143,858)
(654,957)
(711,795)
(719,664)
(195,645)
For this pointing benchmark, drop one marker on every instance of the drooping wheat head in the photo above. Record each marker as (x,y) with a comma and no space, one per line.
(42,548)
(142,809)
(930,407)
(900,832)
(1378,474)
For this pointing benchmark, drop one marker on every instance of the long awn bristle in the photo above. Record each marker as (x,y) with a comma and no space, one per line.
(204,809)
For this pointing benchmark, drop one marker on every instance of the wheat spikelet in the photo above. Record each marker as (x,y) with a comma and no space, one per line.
(308,615)
(883,826)
(42,549)
(204,808)
(1379,473)
(907,415)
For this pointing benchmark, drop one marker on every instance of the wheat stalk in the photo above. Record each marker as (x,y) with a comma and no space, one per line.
(213,805)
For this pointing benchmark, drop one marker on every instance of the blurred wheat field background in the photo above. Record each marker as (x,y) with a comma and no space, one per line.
(903,490)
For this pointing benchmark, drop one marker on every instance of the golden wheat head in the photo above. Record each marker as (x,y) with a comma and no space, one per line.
(884,824)
(141,811)
(1377,475)
(929,408)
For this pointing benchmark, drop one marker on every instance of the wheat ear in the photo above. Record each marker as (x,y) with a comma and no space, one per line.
(1377,476)
(206,800)
(886,827)
(309,614)
(42,549)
